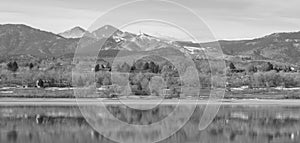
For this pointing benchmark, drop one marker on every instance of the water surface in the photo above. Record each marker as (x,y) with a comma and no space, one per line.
(234,123)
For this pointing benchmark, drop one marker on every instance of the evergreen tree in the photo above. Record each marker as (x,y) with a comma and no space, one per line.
(268,67)
(232,66)
(146,66)
(156,69)
(152,66)
(13,66)
(31,66)
(133,68)
(97,68)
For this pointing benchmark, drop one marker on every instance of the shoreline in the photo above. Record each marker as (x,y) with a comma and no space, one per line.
(98,101)
(68,93)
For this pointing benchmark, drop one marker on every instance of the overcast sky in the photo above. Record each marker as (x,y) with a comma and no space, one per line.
(227,19)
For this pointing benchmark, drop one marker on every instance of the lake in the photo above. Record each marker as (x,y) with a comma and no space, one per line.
(234,123)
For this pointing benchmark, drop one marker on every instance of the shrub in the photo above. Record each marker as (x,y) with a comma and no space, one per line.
(274,79)
(13,66)
(232,66)
(290,79)
(251,69)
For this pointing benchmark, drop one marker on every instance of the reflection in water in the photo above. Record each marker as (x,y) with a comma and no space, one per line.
(12,136)
(139,117)
(146,128)
(235,124)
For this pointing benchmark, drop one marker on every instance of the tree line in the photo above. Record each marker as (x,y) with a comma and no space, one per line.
(136,67)
(266,67)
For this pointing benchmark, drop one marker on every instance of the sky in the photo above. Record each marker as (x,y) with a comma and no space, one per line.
(224,19)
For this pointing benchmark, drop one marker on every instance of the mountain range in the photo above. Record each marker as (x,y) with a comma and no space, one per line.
(27,41)
(18,39)
(280,47)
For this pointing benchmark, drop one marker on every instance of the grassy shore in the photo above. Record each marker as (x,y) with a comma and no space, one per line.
(35,93)
(14,92)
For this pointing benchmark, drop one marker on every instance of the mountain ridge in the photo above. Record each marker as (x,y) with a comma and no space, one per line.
(282,47)
(20,39)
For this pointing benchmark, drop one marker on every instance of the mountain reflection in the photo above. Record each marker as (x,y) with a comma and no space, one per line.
(234,124)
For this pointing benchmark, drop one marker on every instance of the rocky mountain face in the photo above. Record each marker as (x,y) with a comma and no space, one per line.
(126,41)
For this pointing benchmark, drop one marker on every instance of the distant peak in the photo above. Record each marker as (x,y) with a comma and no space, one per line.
(78,28)
(106,31)
(76,32)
